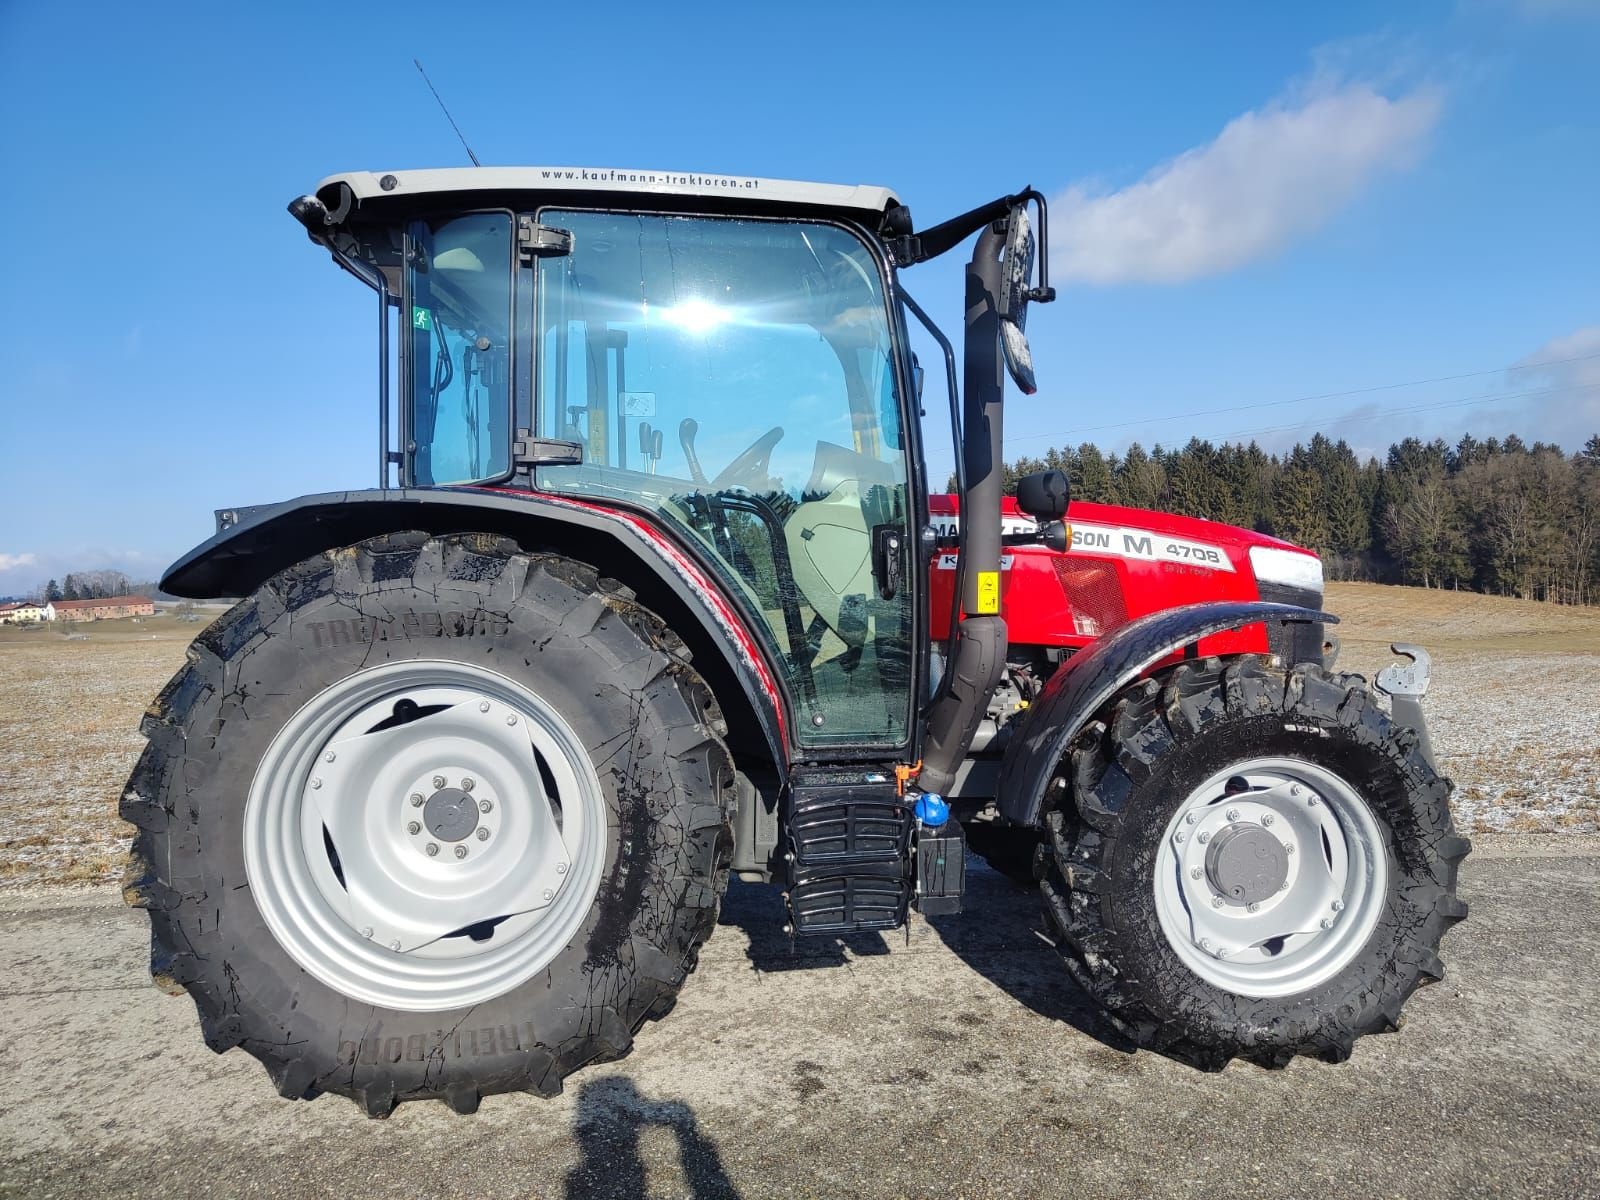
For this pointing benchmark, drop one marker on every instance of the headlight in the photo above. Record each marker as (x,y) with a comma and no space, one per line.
(1286,568)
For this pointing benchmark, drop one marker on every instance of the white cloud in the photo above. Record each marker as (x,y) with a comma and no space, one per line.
(10,562)
(1566,371)
(1272,174)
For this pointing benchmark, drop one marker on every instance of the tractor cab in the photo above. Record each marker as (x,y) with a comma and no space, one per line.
(724,357)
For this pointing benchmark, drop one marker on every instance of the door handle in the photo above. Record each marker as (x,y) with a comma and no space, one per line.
(888,558)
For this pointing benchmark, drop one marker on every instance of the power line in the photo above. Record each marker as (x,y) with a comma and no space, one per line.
(1430,407)
(1362,391)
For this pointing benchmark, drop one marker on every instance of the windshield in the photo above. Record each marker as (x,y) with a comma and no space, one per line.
(458,278)
(736,378)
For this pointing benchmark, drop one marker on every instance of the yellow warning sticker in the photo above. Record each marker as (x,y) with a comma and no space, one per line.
(988,593)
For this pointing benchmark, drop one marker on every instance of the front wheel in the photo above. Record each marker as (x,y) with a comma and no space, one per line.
(430,817)
(1253,863)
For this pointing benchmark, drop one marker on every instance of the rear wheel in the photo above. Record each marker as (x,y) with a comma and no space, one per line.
(431,818)
(1254,863)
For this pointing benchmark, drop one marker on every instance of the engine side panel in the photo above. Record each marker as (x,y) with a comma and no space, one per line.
(1123,564)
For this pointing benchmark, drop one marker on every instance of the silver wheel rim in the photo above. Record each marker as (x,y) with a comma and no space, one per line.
(1263,922)
(434,863)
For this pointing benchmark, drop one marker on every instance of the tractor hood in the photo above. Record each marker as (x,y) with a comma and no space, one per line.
(945,509)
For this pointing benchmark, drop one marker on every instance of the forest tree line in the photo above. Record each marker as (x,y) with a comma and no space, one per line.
(1498,516)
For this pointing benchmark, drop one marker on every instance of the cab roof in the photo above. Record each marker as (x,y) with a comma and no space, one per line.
(452,184)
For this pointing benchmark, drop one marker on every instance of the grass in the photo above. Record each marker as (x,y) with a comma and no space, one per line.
(1442,621)
(70,710)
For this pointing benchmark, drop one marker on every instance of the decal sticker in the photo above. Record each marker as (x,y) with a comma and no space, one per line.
(949,562)
(988,592)
(421,318)
(948,525)
(1146,545)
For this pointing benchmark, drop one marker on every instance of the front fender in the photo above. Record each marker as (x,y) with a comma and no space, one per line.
(1088,680)
(254,544)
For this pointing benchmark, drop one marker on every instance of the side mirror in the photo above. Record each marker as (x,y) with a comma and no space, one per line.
(1016,276)
(1044,495)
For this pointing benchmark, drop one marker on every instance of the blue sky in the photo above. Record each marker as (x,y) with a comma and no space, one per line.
(1251,204)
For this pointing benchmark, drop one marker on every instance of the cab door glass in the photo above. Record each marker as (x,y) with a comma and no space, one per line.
(735,378)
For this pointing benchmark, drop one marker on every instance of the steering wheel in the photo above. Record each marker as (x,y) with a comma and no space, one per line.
(751,466)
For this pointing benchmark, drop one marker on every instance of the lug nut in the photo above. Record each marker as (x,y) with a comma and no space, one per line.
(1326,923)
(1217,902)
(1195,872)
(1253,906)
(1203,838)
(1233,814)
(485,805)
(394,945)
(1311,801)
(1192,817)
(438,781)
(1178,837)
(315,784)
(561,868)
(483,835)
(1294,789)
(1267,818)
(432,848)
(416,799)
(1205,943)
(548,894)
(413,827)
(329,756)
(461,851)
(468,784)
(512,719)
(1288,847)
(1338,906)
(483,706)
(367,932)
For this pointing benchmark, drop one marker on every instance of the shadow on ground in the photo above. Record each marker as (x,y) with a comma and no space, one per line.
(1000,935)
(610,1118)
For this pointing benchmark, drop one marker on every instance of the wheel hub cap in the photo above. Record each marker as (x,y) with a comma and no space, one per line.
(1246,864)
(451,815)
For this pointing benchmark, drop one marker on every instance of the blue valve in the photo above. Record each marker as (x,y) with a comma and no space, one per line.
(932,810)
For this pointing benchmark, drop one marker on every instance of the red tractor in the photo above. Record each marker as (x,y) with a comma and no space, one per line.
(652,589)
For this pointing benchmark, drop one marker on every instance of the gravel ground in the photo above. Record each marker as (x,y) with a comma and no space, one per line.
(955,1060)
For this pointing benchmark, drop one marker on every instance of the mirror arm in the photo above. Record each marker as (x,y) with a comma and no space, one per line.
(1044,293)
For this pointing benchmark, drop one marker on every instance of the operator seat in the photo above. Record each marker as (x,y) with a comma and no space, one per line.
(829,537)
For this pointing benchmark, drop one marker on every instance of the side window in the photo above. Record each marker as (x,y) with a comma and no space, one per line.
(460,276)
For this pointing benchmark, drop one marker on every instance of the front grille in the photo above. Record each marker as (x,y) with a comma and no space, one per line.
(1302,641)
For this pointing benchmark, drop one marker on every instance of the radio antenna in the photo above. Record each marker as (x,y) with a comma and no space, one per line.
(446,112)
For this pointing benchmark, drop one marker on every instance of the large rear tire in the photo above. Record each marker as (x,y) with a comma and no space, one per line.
(1251,863)
(430,818)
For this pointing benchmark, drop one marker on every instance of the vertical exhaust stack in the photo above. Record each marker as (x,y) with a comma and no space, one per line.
(979,654)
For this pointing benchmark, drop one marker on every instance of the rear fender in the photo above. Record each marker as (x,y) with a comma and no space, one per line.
(1088,680)
(254,544)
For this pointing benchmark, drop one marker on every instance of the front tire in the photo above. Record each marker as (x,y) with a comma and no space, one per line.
(1253,863)
(430,817)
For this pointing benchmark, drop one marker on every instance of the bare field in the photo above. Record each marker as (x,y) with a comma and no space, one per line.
(1514,711)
